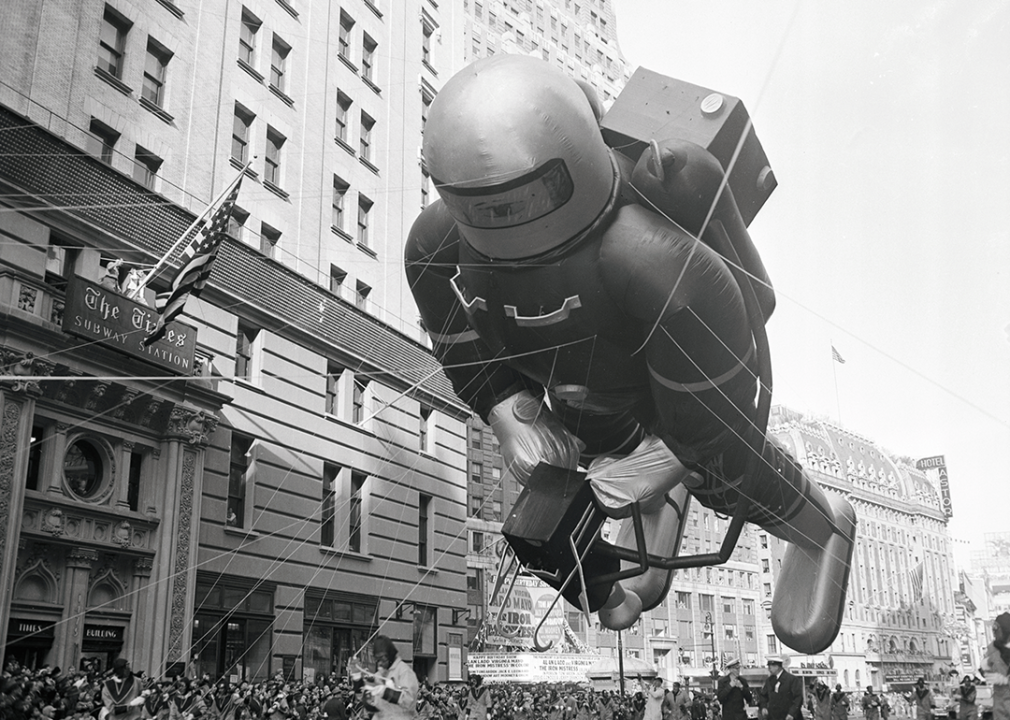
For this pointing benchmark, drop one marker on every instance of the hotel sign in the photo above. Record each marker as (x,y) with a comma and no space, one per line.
(97,313)
(939,463)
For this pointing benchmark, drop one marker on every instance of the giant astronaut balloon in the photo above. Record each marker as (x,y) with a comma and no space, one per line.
(606,317)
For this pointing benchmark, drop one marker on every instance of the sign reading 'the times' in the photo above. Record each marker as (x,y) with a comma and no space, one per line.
(97,313)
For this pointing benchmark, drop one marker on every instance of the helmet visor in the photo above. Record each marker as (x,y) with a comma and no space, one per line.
(511,203)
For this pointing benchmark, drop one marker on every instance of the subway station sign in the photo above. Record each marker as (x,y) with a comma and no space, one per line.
(94,312)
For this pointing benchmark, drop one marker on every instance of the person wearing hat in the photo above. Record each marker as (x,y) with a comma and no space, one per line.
(820,700)
(839,704)
(395,688)
(781,695)
(122,694)
(733,692)
(334,709)
(675,704)
(966,696)
(921,699)
(996,667)
(871,704)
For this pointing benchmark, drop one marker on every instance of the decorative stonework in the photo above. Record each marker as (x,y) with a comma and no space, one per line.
(81,557)
(195,426)
(143,566)
(8,446)
(180,581)
(27,368)
(123,534)
(98,390)
(153,405)
(52,522)
(124,403)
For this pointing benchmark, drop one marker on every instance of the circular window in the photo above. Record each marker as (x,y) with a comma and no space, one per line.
(83,469)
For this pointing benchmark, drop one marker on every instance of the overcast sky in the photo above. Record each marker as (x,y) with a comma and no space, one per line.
(888,236)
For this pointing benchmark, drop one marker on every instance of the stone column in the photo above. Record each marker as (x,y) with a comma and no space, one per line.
(70,632)
(140,590)
(125,462)
(17,410)
(52,475)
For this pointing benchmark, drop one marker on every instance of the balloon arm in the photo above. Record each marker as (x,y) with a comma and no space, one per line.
(529,433)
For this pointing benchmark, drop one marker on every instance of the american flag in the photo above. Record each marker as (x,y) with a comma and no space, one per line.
(836,356)
(195,271)
(916,583)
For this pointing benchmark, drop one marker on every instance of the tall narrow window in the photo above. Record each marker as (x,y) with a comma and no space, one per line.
(247,38)
(343,113)
(145,167)
(425,188)
(34,458)
(269,237)
(112,43)
(275,141)
(244,343)
(365,141)
(356,520)
(426,32)
(358,400)
(426,99)
(423,520)
(425,421)
(101,141)
(362,291)
(240,134)
(368,47)
(238,468)
(278,64)
(340,188)
(344,36)
(333,375)
(155,72)
(364,217)
(133,481)
(236,223)
(327,526)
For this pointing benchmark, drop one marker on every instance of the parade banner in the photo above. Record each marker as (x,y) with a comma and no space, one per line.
(531,667)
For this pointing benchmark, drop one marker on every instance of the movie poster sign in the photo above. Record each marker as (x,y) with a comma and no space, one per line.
(94,312)
(939,464)
(522,667)
(512,623)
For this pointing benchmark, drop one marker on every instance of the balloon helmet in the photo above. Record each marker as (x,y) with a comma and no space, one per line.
(515,151)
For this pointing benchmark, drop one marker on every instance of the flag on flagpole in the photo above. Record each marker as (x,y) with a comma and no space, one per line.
(836,356)
(198,257)
(916,583)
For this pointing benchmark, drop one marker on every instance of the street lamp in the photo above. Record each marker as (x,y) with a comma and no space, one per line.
(710,628)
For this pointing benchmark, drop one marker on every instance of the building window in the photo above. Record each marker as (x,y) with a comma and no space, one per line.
(765,567)
(476,503)
(748,607)
(706,602)
(423,529)
(364,215)
(729,632)
(244,345)
(729,606)
(333,374)
(424,427)
(425,189)
(240,134)
(133,480)
(145,167)
(344,36)
(155,71)
(337,627)
(331,474)
(426,32)
(368,48)
(361,294)
(112,43)
(101,141)
(476,541)
(34,458)
(475,439)
(84,469)
(232,628)
(269,237)
(247,38)
(337,278)
(771,645)
(275,141)
(278,64)
(236,222)
(365,141)
(343,110)
(238,470)
(477,472)
(356,520)
(340,188)
(358,400)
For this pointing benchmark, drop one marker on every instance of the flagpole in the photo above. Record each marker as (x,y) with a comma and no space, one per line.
(182,238)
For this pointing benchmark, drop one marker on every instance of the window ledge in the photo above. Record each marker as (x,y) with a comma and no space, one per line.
(368,164)
(241,532)
(375,88)
(345,146)
(427,569)
(113,81)
(172,8)
(371,6)
(156,110)
(340,232)
(250,69)
(284,97)
(249,385)
(432,70)
(238,165)
(367,250)
(351,66)
(287,6)
(336,552)
(275,190)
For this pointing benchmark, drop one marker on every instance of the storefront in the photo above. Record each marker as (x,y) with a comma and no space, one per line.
(233,628)
(336,625)
(101,645)
(29,642)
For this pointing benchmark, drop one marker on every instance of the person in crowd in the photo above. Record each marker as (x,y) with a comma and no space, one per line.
(966,696)
(654,696)
(699,707)
(733,692)
(839,704)
(871,704)
(122,694)
(885,707)
(392,689)
(819,700)
(187,704)
(675,705)
(477,699)
(996,667)
(781,695)
(921,698)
